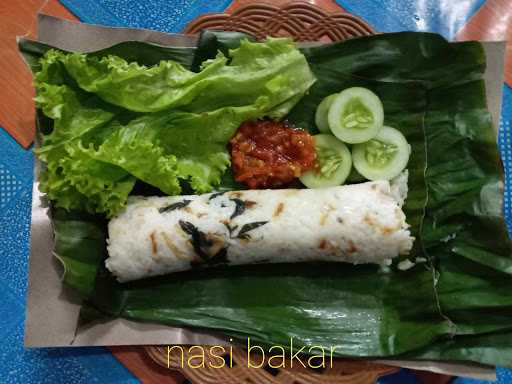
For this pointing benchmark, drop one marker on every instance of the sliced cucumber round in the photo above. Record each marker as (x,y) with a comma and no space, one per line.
(356,115)
(333,163)
(383,157)
(321,113)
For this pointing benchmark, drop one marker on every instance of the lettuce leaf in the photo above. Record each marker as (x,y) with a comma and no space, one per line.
(116,122)
(274,69)
(159,148)
(72,178)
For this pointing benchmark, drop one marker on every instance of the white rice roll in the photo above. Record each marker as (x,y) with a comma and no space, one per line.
(360,223)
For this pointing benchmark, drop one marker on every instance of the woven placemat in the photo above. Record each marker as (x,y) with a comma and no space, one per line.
(237,366)
(301,20)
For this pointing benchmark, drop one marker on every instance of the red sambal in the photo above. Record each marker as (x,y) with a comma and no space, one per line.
(267,153)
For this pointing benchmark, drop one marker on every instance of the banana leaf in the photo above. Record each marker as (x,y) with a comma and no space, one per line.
(464,227)
(453,307)
(463,231)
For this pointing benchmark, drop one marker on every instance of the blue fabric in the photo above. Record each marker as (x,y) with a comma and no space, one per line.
(404,376)
(503,376)
(441,16)
(505,145)
(96,365)
(17,364)
(160,15)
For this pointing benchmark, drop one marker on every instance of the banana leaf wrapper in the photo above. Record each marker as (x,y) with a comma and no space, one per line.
(455,306)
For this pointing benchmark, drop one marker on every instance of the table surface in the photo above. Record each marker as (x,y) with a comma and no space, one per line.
(461,20)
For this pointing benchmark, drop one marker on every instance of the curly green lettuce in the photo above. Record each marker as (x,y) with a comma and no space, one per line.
(274,69)
(116,122)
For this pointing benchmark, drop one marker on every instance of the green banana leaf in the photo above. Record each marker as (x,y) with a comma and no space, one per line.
(464,226)
(80,247)
(456,306)
(463,231)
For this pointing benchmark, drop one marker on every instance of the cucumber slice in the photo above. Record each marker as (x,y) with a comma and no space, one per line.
(383,157)
(321,113)
(333,163)
(356,115)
